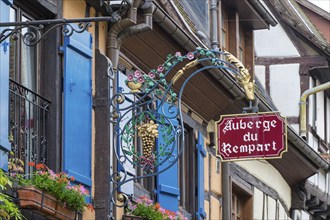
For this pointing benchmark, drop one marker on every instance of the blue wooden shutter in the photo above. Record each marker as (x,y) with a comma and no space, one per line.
(77,91)
(167,182)
(201,153)
(4,85)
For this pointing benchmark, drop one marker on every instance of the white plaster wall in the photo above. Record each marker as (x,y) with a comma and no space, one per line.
(264,171)
(295,127)
(322,180)
(285,88)
(320,129)
(271,209)
(273,43)
(305,216)
(260,73)
(281,212)
(312,141)
(327,183)
(296,215)
(314,179)
(257,204)
(311,109)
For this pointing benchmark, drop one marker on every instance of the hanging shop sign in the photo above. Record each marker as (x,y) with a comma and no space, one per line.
(251,136)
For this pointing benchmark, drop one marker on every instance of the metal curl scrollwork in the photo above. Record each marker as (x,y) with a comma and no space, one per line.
(148,119)
(69,29)
(32,34)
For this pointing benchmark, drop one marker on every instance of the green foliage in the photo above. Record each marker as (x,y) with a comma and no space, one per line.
(8,209)
(15,165)
(147,212)
(59,185)
(146,209)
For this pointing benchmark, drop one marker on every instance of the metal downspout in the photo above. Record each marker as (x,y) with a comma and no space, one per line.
(116,30)
(214,24)
(303,103)
(225,186)
(225,175)
(139,28)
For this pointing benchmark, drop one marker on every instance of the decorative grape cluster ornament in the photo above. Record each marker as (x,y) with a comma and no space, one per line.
(148,133)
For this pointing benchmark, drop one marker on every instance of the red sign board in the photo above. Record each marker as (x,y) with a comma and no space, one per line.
(251,136)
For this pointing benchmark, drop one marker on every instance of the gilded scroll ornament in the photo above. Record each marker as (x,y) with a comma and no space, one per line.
(243,76)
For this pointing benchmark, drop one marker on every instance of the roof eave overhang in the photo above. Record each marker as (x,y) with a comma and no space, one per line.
(252,13)
(300,155)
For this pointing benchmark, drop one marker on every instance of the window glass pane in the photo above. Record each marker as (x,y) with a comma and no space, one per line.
(128,187)
(224,27)
(241,45)
(28,61)
(238,206)
(12,48)
(187,166)
(197,11)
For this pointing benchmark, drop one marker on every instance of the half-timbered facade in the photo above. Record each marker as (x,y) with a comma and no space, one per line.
(56,102)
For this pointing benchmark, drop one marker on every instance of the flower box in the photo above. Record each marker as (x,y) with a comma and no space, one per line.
(33,198)
(145,208)
(132,217)
(63,212)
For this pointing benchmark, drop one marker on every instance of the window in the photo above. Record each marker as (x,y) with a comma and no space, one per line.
(28,111)
(319,117)
(327,120)
(236,207)
(132,170)
(23,58)
(224,28)
(241,47)
(237,35)
(242,201)
(128,187)
(198,12)
(187,172)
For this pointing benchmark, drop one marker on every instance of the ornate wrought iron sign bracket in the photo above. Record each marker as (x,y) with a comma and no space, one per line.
(148,119)
(33,31)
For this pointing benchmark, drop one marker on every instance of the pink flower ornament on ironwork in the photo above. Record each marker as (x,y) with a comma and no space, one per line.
(160,68)
(137,76)
(178,54)
(130,78)
(190,56)
(151,74)
(135,81)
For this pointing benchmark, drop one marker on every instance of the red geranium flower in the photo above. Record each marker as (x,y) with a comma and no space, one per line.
(31,164)
(40,166)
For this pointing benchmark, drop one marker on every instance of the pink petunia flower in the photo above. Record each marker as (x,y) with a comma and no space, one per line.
(162,210)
